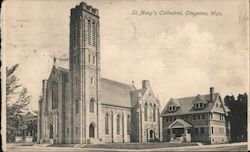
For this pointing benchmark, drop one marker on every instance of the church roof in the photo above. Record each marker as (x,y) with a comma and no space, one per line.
(186,105)
(115,93)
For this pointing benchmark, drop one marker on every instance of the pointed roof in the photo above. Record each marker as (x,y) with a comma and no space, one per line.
(179,123)
(186,105)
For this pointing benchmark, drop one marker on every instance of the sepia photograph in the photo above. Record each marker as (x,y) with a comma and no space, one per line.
(124,75)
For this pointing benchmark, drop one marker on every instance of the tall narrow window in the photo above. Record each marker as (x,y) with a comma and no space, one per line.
(89,58)
(118,125)
(154,114)
(212,130)
(91,80)
(128,125)
(54,95)
(89,32)
(93,33)
(146,112)
(77,106)
(106,123)
(92,105)
(67,131)
(93,59)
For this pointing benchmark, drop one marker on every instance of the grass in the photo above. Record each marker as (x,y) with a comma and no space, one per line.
(138,145)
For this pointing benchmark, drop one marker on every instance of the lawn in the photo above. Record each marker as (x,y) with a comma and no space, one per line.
(138,145)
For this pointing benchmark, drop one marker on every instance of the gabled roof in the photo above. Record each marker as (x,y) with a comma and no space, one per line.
(115,93)
(186,105)
(175,102)
(200,98)
(179,123)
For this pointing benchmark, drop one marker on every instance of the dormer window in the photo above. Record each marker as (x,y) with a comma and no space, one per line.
(198,105)
(172,108)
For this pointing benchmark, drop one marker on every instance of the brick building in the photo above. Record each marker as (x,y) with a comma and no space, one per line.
(199,118)
(78,106)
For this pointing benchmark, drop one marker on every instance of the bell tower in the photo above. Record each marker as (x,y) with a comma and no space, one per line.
(85,73)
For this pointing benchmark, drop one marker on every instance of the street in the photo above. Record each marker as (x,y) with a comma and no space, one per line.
(218,147)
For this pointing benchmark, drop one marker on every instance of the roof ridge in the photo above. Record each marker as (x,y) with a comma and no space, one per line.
(117,82)
(61,68)
(194,96)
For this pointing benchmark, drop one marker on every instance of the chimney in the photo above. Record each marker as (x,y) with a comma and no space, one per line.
(212,94)
(145,84)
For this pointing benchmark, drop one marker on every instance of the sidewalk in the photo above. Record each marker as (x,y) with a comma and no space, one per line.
(184,148)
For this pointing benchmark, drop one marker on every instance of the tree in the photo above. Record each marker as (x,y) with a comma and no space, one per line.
(15,107)
(237,116)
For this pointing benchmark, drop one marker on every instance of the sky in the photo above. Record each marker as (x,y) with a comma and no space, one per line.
(181,55)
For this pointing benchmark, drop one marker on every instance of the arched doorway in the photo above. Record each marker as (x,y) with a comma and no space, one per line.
(151,135)
(51,131)
(91,131)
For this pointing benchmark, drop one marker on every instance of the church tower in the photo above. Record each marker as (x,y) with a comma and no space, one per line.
(84,73)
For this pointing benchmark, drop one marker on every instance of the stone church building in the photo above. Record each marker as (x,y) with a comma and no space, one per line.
(78,106)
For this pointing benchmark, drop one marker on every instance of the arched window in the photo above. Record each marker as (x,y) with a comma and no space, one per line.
(54,96)
(92,105)
(106,123)
(89,32)
(146,112)
(93,34)
(128,125)
(118,125)
(154,113)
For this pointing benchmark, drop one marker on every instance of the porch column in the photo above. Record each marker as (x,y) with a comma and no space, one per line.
(171,134)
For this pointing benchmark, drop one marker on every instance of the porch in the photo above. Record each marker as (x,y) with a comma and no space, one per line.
(179,131)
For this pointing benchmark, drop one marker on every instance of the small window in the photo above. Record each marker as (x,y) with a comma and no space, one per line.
(67,131)
(77,106)
(196,130)
(199,117)
(91,80)
(92,105)
(202,130)
(89,58)
(212,130)
(170,118)
(203,116)
(146,112)
(189,131)
(106,123)
(194,117)
(76,130)
(167,119)
(118,125)
(93,59)
(128,125)
(201,105)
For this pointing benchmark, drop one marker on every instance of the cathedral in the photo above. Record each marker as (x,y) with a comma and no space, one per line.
(78,106)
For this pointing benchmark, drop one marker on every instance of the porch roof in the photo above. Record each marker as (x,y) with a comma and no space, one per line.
(179,123)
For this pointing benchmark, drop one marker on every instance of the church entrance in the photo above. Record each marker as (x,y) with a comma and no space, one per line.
(91,131)
(151,135)
(51,131)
